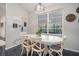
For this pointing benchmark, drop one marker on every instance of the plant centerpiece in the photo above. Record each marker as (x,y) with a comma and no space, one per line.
(39,32)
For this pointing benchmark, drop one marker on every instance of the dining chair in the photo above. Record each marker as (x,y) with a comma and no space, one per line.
(38,47)
(56,49)
(24,44)
(27,43)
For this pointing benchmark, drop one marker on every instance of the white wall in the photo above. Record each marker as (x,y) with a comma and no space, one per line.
(2,29)
(14,13)
(2,18)
(71,29)
(33,23)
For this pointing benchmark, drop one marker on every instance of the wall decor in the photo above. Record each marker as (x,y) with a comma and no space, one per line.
(70,17)
(25,24)
(15,25)
(77,10)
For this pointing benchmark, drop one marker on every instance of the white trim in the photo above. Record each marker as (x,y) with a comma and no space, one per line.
(72,50)
(11,47)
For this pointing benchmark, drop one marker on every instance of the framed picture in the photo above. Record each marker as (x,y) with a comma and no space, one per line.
(25,24)
(15,25)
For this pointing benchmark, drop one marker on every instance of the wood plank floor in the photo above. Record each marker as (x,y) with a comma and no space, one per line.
(16,51)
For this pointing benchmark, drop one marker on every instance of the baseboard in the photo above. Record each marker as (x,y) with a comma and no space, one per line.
(72,50)
(11,47)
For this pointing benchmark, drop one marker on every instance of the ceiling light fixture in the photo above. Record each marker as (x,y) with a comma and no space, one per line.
(39,7)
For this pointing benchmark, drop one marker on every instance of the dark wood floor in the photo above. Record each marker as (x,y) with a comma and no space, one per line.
(16,51)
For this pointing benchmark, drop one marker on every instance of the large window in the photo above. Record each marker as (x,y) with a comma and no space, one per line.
(51,22)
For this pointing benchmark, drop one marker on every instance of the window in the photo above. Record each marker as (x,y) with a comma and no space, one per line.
(42,22)
(51,22)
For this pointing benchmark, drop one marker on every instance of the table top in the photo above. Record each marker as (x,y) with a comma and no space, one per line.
(2,43)
(47,39)
(52,40)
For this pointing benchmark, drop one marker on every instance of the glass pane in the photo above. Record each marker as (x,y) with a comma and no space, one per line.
(55,22)
(55,13)
(55,29)
(44,30)
(42,19)
(55,19)
(42,22)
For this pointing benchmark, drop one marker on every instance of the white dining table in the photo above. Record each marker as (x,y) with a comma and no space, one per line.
(48,39)
(51,40)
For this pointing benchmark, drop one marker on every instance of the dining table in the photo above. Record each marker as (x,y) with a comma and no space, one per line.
(51,40)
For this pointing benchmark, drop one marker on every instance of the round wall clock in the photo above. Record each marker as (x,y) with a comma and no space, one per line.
(70,17)
(77,10)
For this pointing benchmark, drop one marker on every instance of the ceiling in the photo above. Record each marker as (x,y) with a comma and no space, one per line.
(2,9)
(30,6)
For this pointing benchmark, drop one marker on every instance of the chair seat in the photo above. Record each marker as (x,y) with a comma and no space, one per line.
(56,47)
(54,53)
(40,45)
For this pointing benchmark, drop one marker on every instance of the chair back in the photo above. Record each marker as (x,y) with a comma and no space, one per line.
(38,44)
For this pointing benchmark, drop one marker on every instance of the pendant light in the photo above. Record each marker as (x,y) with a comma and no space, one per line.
(39,7)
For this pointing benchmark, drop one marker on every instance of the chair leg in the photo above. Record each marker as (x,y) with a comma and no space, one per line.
(39,53)
(22,51)
(27,51)
(49,53)
(43,53)
(31,53)
(61,53)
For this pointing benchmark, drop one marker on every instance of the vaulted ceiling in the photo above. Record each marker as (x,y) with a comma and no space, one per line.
(30,6)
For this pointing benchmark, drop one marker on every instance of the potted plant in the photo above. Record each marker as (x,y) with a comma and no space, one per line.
(39,32)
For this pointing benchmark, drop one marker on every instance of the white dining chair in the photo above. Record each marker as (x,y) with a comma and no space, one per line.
(56,48)
(22,44)
(38,47)
(27,43)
